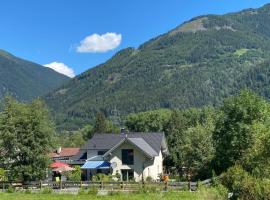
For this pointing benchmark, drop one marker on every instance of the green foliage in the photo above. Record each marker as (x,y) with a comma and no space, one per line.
(150,121)
(147,188)
(3,176)
(219,192)
(102,177)
(245,186)
(92,191)
(234,134)
(256,160)
(28,191)
(172,195)
(70,139)
(46,190)
(26,80)
(10,189)
(189,136)
(100,123)
(87,132)
(149,179)
(26,138)
(82,191)
(75,175)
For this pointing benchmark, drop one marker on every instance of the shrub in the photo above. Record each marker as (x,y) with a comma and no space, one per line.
(234,178)
(27,191)
(10,189)
(82,191)
(3,176)
(101,177)
(75,175)
(149,189)
(218,192)
(114,193)
(92,191)
(149,179)
(245,186)
(46,190)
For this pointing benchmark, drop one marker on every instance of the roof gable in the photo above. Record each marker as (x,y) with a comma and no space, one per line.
(152,142)
(143,146)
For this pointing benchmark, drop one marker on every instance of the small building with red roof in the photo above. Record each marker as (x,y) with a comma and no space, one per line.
(64,154)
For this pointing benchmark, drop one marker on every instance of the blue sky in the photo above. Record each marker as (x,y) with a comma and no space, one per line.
(55,32)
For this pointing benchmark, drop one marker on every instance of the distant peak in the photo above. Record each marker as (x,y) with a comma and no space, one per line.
(5,54)
(194,25)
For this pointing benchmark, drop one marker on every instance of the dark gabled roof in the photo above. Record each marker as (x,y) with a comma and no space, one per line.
(152,142)
(144,146)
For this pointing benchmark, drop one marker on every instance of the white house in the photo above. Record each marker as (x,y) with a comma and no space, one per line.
(135,156)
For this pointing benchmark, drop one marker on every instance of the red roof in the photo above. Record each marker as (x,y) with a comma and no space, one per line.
(65,152)
(58,164)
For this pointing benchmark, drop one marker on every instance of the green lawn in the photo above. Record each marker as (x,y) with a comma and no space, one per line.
(204,193)
(122,196)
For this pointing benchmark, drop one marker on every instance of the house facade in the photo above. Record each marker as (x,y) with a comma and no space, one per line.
(132,156)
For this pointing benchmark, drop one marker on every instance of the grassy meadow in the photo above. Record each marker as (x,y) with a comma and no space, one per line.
(171,195)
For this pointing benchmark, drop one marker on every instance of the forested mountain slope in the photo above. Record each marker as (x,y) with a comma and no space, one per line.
(26,80)
(198,63)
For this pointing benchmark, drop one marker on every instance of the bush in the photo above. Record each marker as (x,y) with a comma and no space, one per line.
(3,176)
(10,189)
(245,186)
(27,191)
(234,178)
(74,175)
(114,193)
(218,192)
(46,190)
(149,189)
(82,191)
(92,191)
(101,177)
(149,179)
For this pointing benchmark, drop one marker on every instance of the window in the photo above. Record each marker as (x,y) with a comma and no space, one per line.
(127,174)
(101,153)
(84,156)
(127,157)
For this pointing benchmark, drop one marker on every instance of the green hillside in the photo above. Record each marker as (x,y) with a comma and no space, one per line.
(198,63)
(26,80)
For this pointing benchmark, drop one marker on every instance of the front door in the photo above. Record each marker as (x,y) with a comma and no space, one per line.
(127,174)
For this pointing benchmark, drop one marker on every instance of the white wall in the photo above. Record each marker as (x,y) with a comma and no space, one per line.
(143,166)
(154,168)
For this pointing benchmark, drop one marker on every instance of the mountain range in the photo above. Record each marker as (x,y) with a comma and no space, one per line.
(26,80)
(198,63)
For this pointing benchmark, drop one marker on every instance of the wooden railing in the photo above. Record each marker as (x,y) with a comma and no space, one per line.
(117,186)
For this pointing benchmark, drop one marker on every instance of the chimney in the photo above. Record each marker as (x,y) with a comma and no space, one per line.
(59,149)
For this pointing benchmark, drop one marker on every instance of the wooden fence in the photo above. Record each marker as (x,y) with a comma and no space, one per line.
(112,186)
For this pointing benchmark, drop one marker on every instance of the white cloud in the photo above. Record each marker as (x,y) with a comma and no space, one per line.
(61,68)
(96,43)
